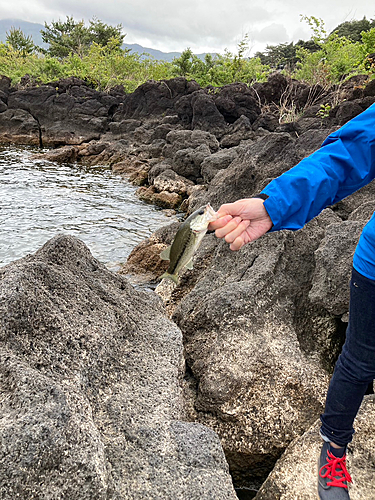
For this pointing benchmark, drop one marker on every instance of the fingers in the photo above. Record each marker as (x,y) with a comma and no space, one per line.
(218,223)
(227,228)
(237,243)
(237,232)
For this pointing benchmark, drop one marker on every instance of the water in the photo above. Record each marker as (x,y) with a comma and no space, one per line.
(40,199)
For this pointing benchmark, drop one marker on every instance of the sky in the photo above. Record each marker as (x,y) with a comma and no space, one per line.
(202,25)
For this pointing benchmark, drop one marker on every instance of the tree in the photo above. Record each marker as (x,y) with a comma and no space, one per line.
(74,37)
(352,29)
(102,33)
(19,41)
(284,55)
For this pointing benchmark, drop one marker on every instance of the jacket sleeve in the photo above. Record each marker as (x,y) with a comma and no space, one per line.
(344,163)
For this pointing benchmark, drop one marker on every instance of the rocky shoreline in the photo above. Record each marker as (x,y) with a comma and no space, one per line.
(261,328)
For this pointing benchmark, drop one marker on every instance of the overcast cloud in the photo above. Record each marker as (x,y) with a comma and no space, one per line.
(205,26)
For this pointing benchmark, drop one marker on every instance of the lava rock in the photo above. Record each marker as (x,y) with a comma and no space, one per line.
(90,370)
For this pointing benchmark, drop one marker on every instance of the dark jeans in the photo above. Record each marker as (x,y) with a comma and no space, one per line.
(355,368)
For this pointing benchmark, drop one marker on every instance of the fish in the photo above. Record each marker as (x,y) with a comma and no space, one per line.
(186,242)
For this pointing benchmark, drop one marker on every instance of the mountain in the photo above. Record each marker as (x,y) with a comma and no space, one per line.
(29,29)
(33,30)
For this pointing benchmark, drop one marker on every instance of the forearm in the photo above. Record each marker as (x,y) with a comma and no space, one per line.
(344,163)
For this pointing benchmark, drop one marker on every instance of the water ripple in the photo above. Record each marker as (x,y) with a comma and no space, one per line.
(40,199)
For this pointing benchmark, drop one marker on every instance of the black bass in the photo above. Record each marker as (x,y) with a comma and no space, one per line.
(186,242)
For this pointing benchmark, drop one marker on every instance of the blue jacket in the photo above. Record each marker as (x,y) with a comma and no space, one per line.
(344,163)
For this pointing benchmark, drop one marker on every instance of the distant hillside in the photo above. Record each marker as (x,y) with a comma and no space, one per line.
(29,29)
(33,30)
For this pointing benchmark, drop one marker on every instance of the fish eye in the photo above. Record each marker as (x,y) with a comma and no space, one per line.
(201,211)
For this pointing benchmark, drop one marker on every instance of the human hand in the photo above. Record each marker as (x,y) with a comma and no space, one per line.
(241,222)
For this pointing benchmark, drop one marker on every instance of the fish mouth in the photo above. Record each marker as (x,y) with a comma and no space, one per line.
(210,212)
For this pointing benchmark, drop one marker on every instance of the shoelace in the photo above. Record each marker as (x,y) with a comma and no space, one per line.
(336,471)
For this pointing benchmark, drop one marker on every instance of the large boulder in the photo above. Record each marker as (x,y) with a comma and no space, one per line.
(154,98)
(295,474)
(236,100)
(90,383)
(18,126)
(187,162)
(258,350)
(257,163)
(67,112)
(217,161)
(184,139)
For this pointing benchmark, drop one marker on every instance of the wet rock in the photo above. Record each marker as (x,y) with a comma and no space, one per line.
(163,199)
(90,370)
(295,474)
(145,258)
(19,127)
(66,154)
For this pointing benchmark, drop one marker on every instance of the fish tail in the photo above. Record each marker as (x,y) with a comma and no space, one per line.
(172,277)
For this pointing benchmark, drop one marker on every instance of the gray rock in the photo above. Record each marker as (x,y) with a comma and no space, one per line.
(183,139)
(68,112)
(119,128)
(19,127)
(217,161)
(254,345)
(248,173)
(295,474)
(364,212)
(330,285)
(349,204)
(206,115)
(267,121)
(187,162)
(90,384)
(239,131)
(169,181)
(157,169)
(346,111)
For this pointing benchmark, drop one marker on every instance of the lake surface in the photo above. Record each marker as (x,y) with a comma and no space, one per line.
(39,199)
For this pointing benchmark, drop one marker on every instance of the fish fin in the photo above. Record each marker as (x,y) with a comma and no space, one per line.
(166,253)
(172,277)
(189,265)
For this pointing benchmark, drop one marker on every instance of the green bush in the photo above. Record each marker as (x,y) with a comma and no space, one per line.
(94,53)
(337,59)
